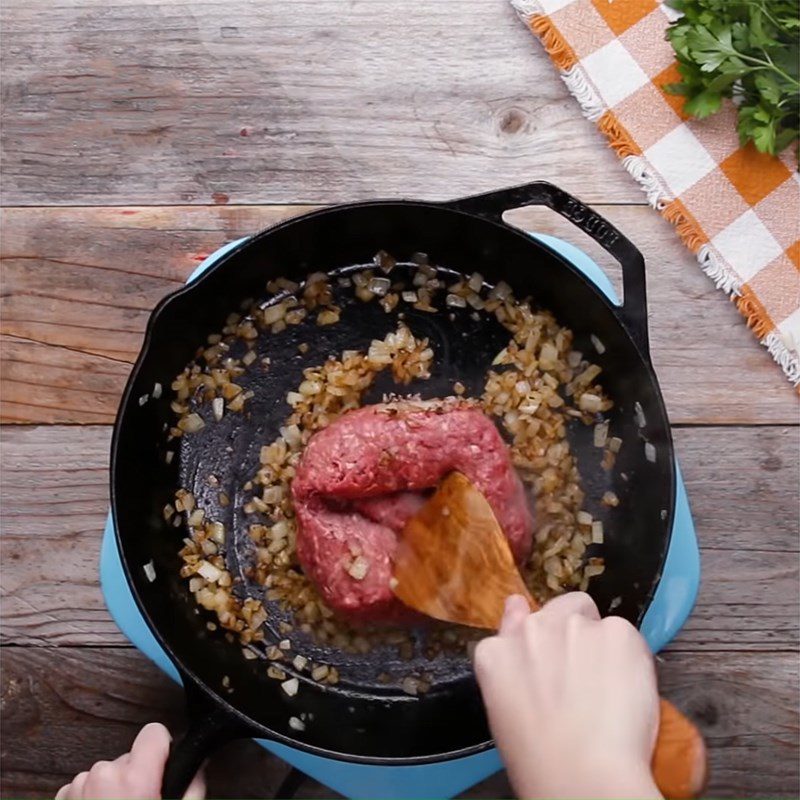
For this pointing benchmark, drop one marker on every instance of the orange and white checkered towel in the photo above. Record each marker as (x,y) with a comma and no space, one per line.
(737,209)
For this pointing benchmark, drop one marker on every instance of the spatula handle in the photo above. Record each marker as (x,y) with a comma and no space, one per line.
(679,758)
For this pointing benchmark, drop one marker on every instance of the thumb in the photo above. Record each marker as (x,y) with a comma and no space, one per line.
(514,616)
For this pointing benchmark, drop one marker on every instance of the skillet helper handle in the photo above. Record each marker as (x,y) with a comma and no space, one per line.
(210,726)
(541,193)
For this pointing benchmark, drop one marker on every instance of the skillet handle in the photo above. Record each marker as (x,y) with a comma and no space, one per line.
(210,726)
(541,193)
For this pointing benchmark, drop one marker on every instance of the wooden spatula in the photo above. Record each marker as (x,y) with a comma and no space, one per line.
(453,563)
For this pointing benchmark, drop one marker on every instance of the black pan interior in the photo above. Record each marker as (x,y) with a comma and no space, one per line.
(362,717)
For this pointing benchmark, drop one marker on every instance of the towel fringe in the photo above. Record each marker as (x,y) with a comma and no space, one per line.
(582,90)
(554,43)
(690,232)
(751,309)
(784,356)
(594,109)
(621,141)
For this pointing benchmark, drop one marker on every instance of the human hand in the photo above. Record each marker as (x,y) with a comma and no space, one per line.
(571,699)
(134,776)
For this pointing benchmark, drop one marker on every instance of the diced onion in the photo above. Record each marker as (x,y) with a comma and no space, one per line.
(274,313)
(329,316)
(280,530)
(191,423)
(359,568)
(379,286)
(300,663)
(209,571)
(150,571)
(216,531)
(650,452)
(476,301)
(291,686)
(610,499)
(218,408)
(597,532)
(590,402)
(500,292)
(455,301)
(598,345)
(475,282)
(601,434)
(501,357)
(294,398)
(273,494)
(291,435)
(588,375)
(548,356)
(296,724)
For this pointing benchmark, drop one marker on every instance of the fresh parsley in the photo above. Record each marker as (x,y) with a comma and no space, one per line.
(746,50)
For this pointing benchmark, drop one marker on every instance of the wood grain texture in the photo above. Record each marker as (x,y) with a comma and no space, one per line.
(219,113)
(746,706)
(65,708)
(323,101)
(742,483)
(79,285)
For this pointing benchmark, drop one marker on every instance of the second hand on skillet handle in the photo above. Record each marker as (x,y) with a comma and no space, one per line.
(492,205)
(210,726)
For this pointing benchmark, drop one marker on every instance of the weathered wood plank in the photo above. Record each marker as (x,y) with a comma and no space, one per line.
(264,102)
(55,382)
(65,708)
(746,705)
(79,284)
(742,483)
(742,486)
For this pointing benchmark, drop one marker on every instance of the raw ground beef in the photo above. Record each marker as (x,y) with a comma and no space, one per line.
(362,477)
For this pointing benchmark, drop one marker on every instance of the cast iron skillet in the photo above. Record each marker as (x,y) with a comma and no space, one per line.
(360,719)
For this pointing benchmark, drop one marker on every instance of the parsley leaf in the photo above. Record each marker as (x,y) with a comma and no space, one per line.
(747,50)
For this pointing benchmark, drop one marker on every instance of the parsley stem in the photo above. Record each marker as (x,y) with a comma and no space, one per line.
(769,64)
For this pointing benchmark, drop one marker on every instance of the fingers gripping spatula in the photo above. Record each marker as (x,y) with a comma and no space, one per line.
(453,563)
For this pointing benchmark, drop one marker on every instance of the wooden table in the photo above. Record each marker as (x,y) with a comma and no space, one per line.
(139,136)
